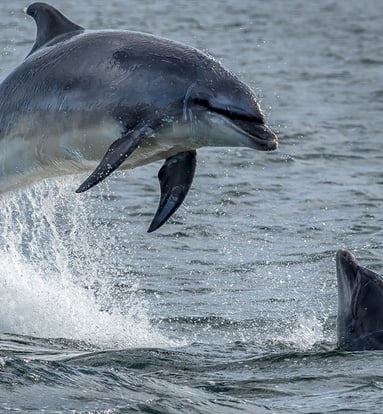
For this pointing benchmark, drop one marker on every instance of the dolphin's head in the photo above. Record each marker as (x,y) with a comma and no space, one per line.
(360,305)
(230,111)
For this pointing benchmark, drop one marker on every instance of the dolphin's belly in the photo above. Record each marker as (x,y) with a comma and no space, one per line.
(39,148)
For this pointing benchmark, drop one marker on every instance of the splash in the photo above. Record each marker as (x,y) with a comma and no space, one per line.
(306,331)
(56,280)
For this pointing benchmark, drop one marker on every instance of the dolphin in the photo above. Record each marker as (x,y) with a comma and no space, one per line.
(96,100)
(360,305)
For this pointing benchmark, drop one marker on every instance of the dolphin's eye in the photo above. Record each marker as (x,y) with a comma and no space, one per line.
(202,102)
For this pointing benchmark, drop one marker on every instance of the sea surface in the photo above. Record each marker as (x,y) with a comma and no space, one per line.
(231,306)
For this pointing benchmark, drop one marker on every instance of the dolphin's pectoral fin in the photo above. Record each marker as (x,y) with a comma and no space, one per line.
(117,153)
(175,176)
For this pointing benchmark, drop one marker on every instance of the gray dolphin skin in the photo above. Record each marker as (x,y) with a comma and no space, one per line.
(86,100)
(360,305)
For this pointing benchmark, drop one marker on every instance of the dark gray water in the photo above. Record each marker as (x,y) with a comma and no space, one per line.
(231,306)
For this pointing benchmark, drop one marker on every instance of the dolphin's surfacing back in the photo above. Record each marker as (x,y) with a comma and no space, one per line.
(125,98)
(360,305)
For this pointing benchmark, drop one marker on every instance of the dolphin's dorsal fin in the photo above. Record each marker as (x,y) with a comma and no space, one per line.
(50,24)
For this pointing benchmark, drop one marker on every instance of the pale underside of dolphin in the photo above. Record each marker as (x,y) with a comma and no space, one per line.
(125,98)
(360,305)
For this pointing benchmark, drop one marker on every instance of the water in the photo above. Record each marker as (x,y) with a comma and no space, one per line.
(231,306)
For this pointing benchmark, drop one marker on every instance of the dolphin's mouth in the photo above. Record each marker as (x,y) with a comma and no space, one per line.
(259,135)
(347,266)
(346,272)
(265,139)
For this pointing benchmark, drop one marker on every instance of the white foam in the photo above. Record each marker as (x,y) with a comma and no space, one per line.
(49,262)
(305,333)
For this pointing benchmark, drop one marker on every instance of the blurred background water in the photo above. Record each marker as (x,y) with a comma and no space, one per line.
(231,306)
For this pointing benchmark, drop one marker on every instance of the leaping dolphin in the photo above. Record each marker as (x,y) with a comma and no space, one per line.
(124,97)
(360,305)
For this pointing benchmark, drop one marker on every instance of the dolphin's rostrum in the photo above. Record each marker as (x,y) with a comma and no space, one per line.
(127,98)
